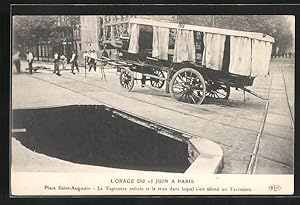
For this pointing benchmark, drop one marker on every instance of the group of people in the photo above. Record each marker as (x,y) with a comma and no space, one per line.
(62,60)
(91,61)
(16,59)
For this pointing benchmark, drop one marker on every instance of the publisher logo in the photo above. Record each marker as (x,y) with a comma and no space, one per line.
(275,187)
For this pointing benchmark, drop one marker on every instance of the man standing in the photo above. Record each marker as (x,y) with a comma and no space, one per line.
(74,62)
(56,64)
(29,58)
(88,58)
(63,61)
(103,63)
(93,61)
(85,58)
(17,61)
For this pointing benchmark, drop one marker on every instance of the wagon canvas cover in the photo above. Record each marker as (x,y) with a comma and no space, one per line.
(250,52)
(213,53)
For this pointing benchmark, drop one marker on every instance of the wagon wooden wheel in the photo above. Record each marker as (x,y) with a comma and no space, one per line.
(217,91)
(126,79)
(188,85)
(158,83)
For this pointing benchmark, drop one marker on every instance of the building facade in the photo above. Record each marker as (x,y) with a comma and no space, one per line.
(90,30)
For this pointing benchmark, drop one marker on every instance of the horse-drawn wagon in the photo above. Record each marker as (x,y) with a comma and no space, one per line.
(192,62)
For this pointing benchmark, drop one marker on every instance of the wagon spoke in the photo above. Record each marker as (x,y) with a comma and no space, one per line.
(193,99)
(178,83)
(183,91)
(126,79)
(198,88)
(188,79)
(217,92)
(190,83)
(186,98)
(181,78)
(181,96)
(179,86)
(155,82)
(197,84)
(191,78)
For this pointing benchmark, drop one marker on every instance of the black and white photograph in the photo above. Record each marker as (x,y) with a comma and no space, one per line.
(152,104)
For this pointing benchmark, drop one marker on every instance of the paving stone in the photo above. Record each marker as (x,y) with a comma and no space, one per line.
(277,149)
(266,167)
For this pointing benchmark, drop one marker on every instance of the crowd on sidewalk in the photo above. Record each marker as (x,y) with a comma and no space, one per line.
(60,61)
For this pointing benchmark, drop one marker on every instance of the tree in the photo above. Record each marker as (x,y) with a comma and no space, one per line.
(29,30)
(63,32)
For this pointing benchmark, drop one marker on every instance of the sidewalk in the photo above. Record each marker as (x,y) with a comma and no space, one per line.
(233,125)
(277,153)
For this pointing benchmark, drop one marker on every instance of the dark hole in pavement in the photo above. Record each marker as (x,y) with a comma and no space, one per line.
(93,135)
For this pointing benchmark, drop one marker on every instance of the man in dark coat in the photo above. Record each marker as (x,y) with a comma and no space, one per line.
(74,62)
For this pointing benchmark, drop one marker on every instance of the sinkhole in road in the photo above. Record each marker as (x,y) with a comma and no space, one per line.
(102,136)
